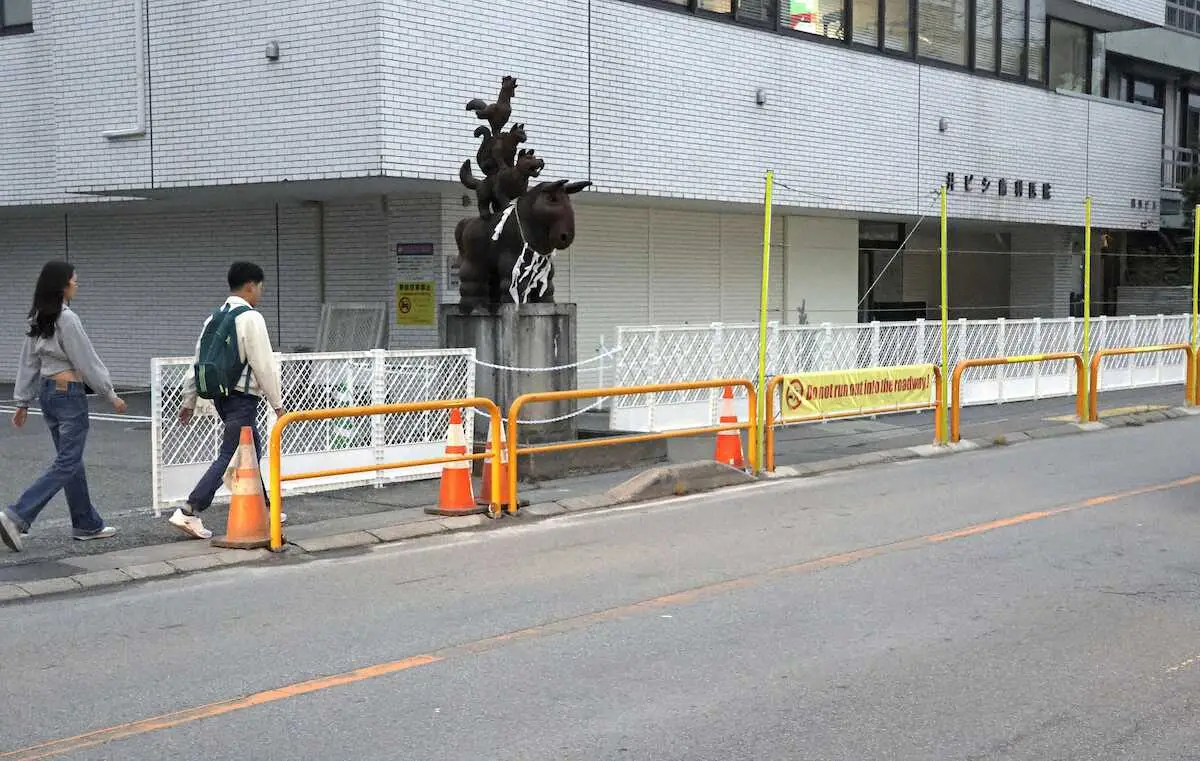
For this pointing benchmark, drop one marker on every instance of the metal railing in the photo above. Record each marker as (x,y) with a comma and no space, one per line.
(515,450)
(275,450)
(961,367)
(1189,382)
(1178,166)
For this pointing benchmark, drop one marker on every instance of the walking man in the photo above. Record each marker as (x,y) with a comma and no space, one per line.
(235,381)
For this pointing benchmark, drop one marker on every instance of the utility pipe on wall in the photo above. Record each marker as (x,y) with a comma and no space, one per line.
(139,26)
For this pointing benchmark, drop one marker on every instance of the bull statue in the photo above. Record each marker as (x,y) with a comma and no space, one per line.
(508,258)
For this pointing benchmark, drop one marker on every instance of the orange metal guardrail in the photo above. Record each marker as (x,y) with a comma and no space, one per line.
(592,393)
(1094,388)
(956,381)
(773,384)
(276,450)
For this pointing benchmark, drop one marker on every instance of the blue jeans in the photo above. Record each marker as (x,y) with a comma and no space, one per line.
(66,414)
(236,410)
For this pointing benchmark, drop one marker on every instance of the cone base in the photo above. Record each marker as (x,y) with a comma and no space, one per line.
(239,544)
(452,511)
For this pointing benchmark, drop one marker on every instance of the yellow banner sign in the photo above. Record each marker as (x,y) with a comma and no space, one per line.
(845,392)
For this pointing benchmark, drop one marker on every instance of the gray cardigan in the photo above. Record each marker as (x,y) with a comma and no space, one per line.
(68,349)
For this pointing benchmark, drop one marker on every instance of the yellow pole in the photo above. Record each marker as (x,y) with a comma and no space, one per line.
(1195,287)
(943,434)
(1087,280)
(762,316)
(1195,276)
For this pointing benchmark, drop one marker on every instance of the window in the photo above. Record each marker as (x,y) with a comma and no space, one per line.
(1184,15)
(942,30)
(1070,57)
(985,34)
(1037,41)
(1012,37)
(757,12)
(716,6)
(16,16)
(1189,126)
(897,25)
(866,22)
(1146,92)
(824,18)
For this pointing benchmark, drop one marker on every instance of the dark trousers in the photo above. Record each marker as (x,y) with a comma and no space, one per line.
(236,410)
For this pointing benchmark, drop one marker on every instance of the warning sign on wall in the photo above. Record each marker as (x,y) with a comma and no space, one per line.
(415,303)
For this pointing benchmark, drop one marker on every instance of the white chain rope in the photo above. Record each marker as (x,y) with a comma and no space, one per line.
(560,418)
(580,363)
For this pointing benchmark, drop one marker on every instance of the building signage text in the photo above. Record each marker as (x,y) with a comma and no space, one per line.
(1001,186)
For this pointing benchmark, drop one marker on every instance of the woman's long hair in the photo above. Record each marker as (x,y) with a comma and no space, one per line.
(48,298)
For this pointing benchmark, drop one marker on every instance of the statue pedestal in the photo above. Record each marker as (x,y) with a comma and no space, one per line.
(521,336)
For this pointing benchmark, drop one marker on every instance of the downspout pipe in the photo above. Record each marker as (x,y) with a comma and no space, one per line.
(139,26)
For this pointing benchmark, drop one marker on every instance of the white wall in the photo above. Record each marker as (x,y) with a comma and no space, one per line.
(380,87)
(821,269)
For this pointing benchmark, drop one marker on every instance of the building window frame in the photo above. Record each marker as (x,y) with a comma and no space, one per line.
(775,23)
(10,29)
(1091,52)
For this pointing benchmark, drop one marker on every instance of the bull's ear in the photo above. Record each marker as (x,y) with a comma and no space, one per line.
(575,187)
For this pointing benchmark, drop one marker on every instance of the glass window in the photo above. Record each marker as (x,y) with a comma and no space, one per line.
(897,25)
(1189,127)
(716,6)
(1012,37)
(16,12)
(1069,62)
(1184,15)
(1037,40)
(754,11)
(985,34)
(1145,92)
(866,22)
(942,30)
(824,18)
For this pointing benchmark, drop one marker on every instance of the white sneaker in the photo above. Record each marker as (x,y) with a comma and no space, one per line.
(189,524)
(103,533)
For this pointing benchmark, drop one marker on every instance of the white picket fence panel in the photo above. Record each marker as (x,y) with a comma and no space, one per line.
(674,353)
(181,453)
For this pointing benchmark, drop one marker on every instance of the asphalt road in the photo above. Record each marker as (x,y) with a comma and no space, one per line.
(1032,602)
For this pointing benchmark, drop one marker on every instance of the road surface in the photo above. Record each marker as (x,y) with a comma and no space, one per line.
(1029,602)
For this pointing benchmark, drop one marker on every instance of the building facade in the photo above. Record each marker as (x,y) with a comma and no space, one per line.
(152,141)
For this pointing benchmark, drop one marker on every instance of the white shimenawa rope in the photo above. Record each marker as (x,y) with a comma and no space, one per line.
(580,363)
(560,418)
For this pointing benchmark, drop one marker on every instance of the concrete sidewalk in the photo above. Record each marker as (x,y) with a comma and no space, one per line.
(359,517)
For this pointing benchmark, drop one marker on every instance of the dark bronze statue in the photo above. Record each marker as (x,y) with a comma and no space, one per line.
(496,191)
(506,254)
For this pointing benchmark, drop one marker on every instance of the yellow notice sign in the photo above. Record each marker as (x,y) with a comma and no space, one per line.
(415,303)
(845,392)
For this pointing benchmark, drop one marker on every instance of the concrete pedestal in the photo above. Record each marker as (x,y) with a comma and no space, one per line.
(521,336)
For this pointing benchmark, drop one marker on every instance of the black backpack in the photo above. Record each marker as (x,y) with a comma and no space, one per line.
(219,366)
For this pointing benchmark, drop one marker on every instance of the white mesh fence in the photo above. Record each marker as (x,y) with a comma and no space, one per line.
(664,354)
(182,453)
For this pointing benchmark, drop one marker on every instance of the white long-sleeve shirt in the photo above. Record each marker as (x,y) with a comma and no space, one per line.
(254,348)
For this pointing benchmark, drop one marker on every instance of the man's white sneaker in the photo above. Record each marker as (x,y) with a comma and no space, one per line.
(189,524)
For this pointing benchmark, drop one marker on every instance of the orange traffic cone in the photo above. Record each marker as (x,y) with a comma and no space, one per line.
(485,491)
(729,443)
(247,528)
(456,496)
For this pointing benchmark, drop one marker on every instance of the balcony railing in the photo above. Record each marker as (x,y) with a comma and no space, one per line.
(1178,165)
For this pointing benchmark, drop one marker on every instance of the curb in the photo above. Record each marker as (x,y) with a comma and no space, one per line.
(655,483)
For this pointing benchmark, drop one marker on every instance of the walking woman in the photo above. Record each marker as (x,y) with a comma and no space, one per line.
(57,363)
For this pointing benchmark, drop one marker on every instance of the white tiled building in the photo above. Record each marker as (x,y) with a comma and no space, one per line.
(152,141)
